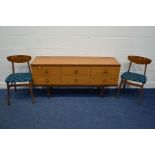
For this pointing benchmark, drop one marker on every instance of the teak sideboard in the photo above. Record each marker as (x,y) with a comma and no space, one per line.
(75,71)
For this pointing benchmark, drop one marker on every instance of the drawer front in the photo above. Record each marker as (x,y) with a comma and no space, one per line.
(105,70)
(76,80)
(45,70)
(46,80)
(42,81)
(107,80)
(75,75)
(75,70)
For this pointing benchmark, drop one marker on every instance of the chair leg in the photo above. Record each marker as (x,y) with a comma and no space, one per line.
(8,93)
(141,93)
(124,85)
(119,89)
(15,86)
(31,91)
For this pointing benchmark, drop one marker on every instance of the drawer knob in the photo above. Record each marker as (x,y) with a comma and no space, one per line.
(105,72)
(76,71)
(46,71)
(75,80)
(46,80)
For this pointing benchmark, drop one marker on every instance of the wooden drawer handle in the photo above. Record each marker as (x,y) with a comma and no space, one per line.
(103,80)
(76,71)
(46,71)
(46,80)
(75,80)
(105,72)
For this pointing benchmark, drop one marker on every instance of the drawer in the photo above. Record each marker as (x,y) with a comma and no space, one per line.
(46,80)
(107,80)
(41,81)
(45,70)
(76,80)
(75,70)
(105,70)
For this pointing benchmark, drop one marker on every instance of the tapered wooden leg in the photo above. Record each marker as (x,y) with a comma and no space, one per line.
(101,91)
(31,91)
(15,86)
(49,92)
(119,89)
(8,93)
(124,85)
(141,94)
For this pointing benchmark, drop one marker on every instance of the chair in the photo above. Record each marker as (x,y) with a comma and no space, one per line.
(135,79)
(19,79)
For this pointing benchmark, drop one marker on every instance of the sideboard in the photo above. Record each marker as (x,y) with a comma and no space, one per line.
(75,71)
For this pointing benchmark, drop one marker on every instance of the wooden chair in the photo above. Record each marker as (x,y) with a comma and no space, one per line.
(135,79)
(19,79)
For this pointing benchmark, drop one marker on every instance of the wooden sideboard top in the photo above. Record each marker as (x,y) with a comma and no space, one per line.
(74,60)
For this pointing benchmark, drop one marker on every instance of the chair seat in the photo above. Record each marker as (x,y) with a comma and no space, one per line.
(19,77)
(134,77)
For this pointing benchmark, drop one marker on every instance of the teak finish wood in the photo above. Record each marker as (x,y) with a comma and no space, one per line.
(75,71)
(65,60)
(19,58)
(139,60)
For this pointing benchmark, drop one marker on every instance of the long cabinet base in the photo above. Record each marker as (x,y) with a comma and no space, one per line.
(75,71)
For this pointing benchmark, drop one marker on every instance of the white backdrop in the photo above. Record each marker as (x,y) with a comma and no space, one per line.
(113,41)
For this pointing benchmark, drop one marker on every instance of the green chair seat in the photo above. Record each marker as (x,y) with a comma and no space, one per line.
(134,77)
(19,77)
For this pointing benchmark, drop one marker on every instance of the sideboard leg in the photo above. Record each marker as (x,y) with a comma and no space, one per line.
(49,92)
(101,91)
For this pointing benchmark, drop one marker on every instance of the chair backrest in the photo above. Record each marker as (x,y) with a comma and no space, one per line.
(139,60)
(19,59)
